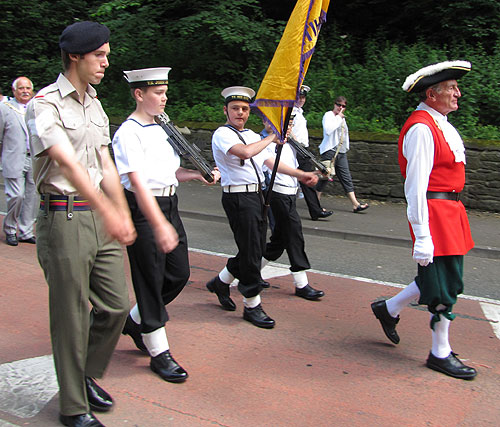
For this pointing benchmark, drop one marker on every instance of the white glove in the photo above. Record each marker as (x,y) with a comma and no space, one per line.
(423,249)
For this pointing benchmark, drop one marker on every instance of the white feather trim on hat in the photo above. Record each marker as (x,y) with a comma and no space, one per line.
(430,70)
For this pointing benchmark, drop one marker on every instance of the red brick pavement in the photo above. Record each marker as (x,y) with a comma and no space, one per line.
(326,363)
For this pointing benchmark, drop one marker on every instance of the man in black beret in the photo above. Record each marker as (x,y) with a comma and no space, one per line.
(83,218)
(432,162)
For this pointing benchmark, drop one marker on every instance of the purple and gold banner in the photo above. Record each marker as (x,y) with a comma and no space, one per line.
(280,86)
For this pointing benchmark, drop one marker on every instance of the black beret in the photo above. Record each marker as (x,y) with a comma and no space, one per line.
(83,37)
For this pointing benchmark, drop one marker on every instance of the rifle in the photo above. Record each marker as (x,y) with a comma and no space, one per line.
(304,152)
(184,148)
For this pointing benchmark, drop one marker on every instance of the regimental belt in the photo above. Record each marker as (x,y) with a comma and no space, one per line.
(69,204)
(60,203)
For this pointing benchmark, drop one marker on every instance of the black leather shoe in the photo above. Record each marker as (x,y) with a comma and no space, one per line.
(11,239)
(258,317)
(221,289)
(82,420)
(322,214)
(99,399)
(451,366)
(388,322)
(265,284)
(309,293)
(134,330)
(31,240)
(167,368)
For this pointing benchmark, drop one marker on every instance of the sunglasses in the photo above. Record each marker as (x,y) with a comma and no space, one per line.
(340,105)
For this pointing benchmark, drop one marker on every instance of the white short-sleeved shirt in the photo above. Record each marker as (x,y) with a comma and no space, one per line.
(299,127)
(56,116)
(145,149)
(289,158)
(231,170)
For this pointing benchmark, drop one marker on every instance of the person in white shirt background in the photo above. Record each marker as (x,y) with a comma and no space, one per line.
(335,144)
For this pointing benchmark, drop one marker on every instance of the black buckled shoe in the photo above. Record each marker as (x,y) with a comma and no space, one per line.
(134,330)
(258,317)
(451,366)
(82,420)
(221,289)
(309,293)
(99,399)
(388,322)
(167,368)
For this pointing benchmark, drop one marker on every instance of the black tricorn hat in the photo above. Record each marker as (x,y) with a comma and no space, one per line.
(435,73)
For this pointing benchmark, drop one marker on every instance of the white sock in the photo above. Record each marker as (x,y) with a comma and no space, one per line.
(135,315)
(252,302)
(225,276)
(402,299)
(299,279)
(263,262)
(156,342)
(440,344)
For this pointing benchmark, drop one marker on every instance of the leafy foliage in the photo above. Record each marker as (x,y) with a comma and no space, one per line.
(364,52)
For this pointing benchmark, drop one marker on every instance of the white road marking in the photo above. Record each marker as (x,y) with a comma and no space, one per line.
(492,313)
(490,307)
(27,385)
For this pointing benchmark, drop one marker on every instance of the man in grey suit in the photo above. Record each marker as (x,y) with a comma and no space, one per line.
(20,188)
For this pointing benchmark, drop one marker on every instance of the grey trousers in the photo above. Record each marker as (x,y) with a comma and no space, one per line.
(22,200)
(88,299)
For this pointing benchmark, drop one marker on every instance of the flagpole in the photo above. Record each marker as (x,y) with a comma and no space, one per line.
(276,162)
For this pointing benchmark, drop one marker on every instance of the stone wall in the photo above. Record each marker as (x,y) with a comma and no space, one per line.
(376,175)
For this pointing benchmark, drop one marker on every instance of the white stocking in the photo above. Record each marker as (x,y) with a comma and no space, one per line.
(402,299)
(299,279)
(440,343)
(135,315)
(156,342)
(251,302)
(225,276)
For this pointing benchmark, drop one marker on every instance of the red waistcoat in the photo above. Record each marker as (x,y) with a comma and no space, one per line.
(448,221)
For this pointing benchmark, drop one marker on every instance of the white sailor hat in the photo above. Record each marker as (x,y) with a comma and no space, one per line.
(435,73)
(238,93)
(147,77)
(304,90)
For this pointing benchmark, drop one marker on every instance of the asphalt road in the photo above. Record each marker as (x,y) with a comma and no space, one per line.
(377,262)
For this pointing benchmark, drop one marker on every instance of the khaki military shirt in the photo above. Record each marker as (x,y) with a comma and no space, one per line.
(56,116)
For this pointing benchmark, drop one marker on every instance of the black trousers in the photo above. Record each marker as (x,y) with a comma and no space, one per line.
(309,193)
(245,214)
(287,234)
(157,277)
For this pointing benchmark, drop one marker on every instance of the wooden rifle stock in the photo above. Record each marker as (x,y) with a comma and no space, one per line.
(184,148)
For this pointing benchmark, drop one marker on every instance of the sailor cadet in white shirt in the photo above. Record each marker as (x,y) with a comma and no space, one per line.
(239,154)
(301,135)
(287,232)
(150,171)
